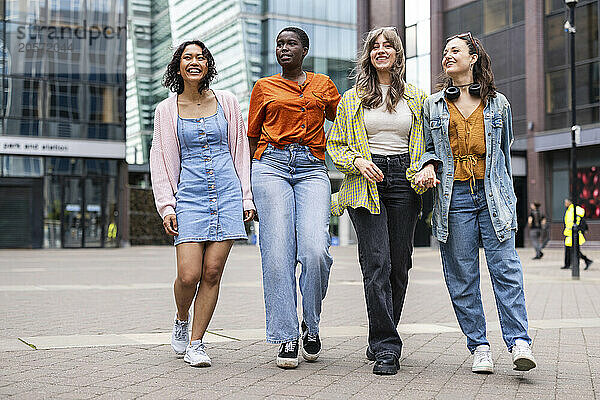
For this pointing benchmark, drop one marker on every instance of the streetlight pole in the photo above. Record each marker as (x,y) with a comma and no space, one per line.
(570,29)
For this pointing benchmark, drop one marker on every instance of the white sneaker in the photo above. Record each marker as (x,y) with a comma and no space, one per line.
(195,354)
(180,337)
(482,360)
(522,356)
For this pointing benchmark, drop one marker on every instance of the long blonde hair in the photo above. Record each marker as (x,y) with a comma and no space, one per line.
(367,81)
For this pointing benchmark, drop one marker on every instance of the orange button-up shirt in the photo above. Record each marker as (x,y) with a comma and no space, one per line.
(284,112)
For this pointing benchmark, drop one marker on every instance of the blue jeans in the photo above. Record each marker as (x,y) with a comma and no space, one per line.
(292,195)
(469,222)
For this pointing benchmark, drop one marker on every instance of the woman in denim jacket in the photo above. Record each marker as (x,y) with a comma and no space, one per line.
(468,134)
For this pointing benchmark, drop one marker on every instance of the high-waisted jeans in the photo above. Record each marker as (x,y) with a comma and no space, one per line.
(468,222)
(385,245)
(292,195)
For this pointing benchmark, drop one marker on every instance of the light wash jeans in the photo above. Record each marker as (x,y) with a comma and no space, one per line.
(468,221)
(292,195)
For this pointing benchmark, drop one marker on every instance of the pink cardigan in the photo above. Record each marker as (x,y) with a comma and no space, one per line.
(165,154)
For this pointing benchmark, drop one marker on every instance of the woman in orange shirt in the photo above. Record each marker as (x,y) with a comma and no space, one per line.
(292,194)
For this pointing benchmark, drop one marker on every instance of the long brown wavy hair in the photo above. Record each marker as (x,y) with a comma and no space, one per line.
(482,69)
(367,81)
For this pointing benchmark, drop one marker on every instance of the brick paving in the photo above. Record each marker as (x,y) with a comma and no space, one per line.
(53,294)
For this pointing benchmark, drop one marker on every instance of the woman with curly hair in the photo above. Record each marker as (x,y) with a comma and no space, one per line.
(468,134)
(377,141)
(200,167)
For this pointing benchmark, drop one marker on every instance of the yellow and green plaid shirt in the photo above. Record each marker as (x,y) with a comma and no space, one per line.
(348,140)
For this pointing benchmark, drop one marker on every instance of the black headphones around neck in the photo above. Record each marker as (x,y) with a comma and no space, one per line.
(453,92)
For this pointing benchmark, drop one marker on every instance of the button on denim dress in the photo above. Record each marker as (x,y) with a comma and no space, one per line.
(209,203)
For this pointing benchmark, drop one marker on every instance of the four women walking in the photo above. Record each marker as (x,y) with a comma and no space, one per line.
(392,143)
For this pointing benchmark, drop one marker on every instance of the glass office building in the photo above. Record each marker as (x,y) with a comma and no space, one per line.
(62,133)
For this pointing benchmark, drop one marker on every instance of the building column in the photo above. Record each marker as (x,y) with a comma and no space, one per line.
(535,102)
(437,31)
(123,205)
(377,13)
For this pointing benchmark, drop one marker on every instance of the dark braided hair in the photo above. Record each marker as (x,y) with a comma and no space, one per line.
(174,82)
(482,70)
(301,35)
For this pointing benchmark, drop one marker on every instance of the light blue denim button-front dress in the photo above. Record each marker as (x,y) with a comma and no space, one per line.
(209,195)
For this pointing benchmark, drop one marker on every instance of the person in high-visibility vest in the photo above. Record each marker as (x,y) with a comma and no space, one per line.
(568,232)
(112,231)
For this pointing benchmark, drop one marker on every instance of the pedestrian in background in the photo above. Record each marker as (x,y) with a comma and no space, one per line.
(568,232)
(468,134)
(536,222)
(200,168)
(377,141)
(292,194)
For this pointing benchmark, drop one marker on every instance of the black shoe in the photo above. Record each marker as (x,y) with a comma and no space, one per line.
(311,344)
(386,365)
(565,267)
(541,254)
(588,262)
(370,354)
(536,258)
(288,355)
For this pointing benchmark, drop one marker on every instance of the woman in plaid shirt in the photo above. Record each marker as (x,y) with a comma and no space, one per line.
(376,141)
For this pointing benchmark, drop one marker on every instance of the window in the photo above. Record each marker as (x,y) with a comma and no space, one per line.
(587,56)
(494,15)
(23,98)
(411,41)
(22,166)
(64,101)
(588,183)
(586,39)
(23,127)
(557,91)
(464,19)
(588,85)
(517,11)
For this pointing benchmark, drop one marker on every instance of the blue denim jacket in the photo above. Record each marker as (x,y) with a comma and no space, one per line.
(500,194)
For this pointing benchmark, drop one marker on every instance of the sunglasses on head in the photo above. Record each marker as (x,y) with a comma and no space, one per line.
(468,36)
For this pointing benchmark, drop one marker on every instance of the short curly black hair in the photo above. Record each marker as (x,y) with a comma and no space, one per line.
(174,82)
(301,35)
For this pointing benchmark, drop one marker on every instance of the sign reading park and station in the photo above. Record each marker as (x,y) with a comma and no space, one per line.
(38,146)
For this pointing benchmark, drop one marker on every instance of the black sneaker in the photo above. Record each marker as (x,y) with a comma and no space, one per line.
(588,262)
(288,355)
(311,344)
(386,365)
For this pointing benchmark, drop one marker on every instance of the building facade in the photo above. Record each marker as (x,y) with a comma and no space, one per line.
(62,132)
(148,51)
(529,51)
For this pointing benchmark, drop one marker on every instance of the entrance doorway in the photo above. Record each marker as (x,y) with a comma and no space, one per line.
(83,215)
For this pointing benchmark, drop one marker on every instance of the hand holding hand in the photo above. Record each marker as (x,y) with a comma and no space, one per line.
(368,169)
(249,215)
(426,177)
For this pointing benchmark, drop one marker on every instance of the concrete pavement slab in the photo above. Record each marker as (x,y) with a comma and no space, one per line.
(104,318)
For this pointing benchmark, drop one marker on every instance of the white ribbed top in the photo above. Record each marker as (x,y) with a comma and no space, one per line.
(388,133)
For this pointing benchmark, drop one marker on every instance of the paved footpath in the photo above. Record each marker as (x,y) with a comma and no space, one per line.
(79,324)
